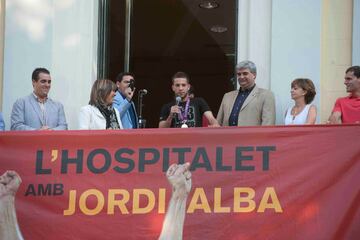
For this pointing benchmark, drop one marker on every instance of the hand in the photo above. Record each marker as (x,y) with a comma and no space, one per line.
(335,118)
(179,177)
(174,110)
(129,93)
(214,125)
(9,183)
(45,128)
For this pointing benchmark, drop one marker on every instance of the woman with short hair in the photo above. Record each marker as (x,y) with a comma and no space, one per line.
(302,112)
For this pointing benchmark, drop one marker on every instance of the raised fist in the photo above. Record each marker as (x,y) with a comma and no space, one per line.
(179,177)
(9,183)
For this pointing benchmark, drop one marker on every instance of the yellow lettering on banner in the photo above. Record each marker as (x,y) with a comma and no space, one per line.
(162,194)
(217,202)
(72,200)
(112,201)
(199,194)
(100,202)
(238,199)
(143,201)
(136,201)
(275,203)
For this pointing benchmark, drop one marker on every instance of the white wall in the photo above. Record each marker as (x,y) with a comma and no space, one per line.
(60,35)
(283,38)
(295,48)
(254,37)
(356,33)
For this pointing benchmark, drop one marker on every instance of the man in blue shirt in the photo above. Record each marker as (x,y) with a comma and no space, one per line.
(2,123)
(37,111)
(123,100)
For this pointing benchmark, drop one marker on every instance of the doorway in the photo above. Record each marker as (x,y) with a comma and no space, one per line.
(167,36)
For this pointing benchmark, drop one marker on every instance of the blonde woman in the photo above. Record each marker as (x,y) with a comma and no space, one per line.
(302,112)
(100,114)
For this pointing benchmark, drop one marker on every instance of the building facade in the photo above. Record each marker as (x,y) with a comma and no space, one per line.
(317,39)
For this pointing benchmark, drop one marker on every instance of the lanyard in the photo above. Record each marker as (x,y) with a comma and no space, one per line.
(184,114)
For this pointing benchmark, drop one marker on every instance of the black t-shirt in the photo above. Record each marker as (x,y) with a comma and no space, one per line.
(197,107)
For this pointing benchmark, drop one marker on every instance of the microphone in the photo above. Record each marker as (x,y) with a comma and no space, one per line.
(143,91)
(178,100)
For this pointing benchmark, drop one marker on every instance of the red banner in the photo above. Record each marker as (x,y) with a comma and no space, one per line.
(248,183)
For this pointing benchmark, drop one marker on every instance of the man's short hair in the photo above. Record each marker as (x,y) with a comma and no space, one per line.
(120,76)
(355,70)
(37,71)
(181,75)
(247,64)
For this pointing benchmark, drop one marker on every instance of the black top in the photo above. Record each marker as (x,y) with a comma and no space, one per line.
(197,107)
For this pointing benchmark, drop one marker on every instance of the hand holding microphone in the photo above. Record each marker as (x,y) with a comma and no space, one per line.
(129,93)
(175,109)
(132,84)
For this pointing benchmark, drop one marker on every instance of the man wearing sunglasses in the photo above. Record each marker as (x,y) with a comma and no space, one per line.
(123,100)
(37,111)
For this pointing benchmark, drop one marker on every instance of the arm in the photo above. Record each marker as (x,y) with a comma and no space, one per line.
(167,122)
(122,105)
(62,125)
(18,116)
(9,184)
(220,115)
(211,119)
(311,117)
(179,177)
(268,110)
(336,114)
(206,112)
(335,118)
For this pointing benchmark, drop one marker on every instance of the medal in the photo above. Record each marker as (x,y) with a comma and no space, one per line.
(184,125)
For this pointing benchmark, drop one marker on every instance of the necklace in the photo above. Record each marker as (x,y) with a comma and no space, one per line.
(296,111)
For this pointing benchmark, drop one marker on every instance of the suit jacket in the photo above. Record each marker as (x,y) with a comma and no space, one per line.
(123,106)
(27,115)
(90,118)
(258,108)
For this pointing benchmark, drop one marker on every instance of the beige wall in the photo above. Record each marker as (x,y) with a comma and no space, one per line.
(2,37)
(336,52)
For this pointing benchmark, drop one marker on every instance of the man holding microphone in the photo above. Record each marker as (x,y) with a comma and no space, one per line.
(185,112)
